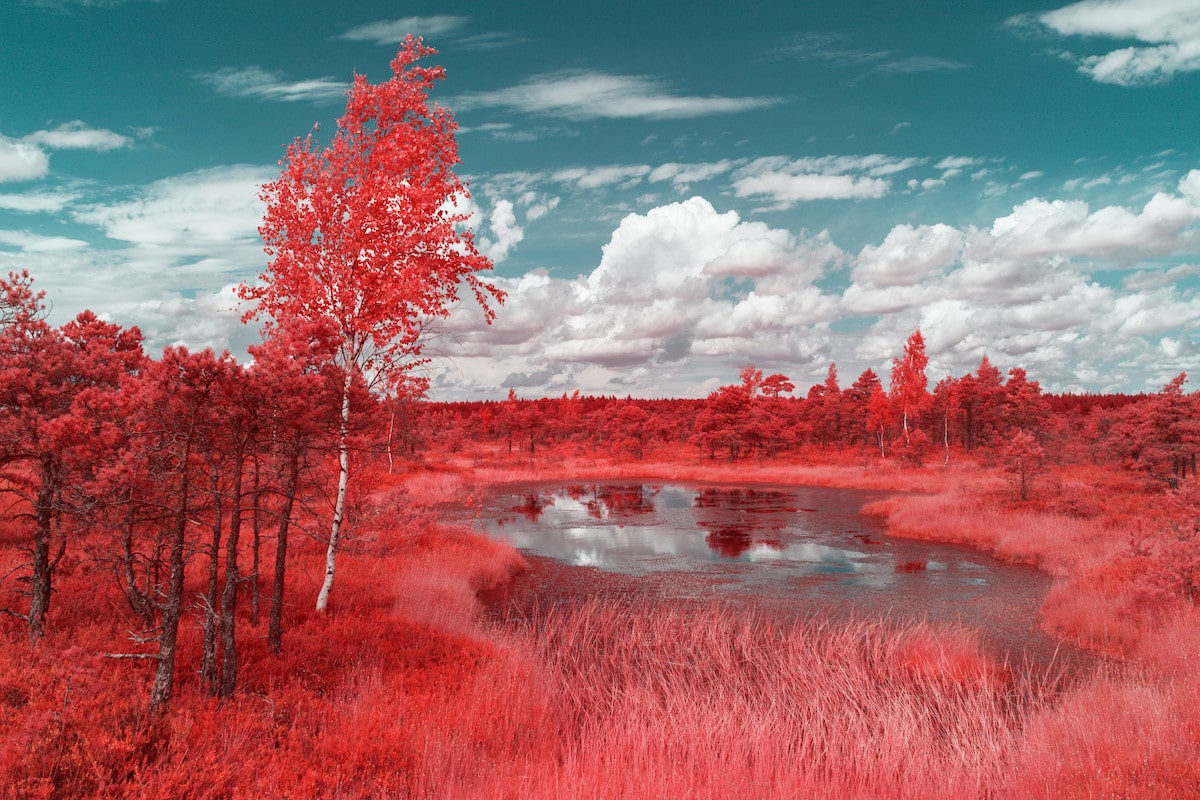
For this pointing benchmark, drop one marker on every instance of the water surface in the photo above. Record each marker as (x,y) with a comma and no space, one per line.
(789,550)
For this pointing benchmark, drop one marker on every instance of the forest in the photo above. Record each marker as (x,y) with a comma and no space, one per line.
(259,576)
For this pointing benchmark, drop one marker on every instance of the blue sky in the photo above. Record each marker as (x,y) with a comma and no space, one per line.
(668,192)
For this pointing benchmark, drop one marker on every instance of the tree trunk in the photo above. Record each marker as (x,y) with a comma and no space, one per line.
(164,676)
(256,544)
(42,579)
(275,623)
(232,578)
(339,508)
(172,608)
(391,427)
(208,649)
(139,601)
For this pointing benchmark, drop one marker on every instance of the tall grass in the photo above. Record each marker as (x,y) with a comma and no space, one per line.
(615,699)
(705,702)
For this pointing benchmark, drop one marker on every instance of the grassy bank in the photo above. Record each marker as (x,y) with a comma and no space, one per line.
(408,690)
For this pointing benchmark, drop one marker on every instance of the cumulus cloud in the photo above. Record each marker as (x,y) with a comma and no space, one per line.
(680,283)
(505,232)
(1150,278)
(1168,33)
(21,161)
(685,291)
(1040,228)
(908,255)
(262,84)
(178,246)
(1024,291)
(596,95)
(187,302)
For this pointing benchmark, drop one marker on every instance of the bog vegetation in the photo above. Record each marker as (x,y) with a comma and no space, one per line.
(170,522)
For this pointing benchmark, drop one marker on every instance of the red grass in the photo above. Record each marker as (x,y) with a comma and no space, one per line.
(404,690)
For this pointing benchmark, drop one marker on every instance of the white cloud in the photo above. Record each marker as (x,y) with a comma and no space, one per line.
(182,242)
(681,284)
(789,181)
(684,175)
(537,206)
(907,255)
(1152,278)
(1023,291)
(953,166)
(391,32)
(596,95)
(685,292)
(78,136)
(36,202)
(37,243)
(755,257)
(195,213)
(787,190)
(596,177)
(1163,314)
(21,161)
(506,233)
(492,128)
(1189,186)
(1168,30)
(258,83)
(1038,228)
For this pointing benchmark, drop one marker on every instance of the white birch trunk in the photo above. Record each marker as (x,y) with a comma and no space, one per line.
(339,508)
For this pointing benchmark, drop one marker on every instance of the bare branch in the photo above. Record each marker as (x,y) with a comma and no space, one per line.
(139,656)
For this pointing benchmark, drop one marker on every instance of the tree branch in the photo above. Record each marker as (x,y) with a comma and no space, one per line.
(138,656)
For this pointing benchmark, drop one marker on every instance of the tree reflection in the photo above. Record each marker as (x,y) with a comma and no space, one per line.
(619,500)
(531,506)
(738,518)
(729,541)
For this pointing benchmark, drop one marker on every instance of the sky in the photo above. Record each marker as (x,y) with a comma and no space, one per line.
(669,192)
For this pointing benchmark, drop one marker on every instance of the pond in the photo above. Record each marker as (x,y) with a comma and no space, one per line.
(786,550)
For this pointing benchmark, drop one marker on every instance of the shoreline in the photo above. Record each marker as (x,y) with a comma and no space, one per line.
(551,583)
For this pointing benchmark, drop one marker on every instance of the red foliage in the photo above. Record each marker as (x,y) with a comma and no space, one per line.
(367,244)
(171,480)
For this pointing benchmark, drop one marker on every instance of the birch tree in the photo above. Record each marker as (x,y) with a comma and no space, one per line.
(365,235)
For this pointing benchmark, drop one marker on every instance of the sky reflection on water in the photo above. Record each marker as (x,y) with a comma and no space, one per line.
(796,547)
